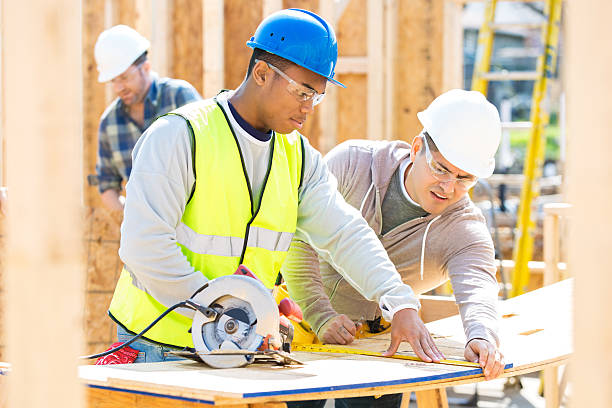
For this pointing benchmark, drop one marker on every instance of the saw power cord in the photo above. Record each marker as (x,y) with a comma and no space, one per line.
(186,303)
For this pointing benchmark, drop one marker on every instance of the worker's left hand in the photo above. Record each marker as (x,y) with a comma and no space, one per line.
(408,326)
(487,355)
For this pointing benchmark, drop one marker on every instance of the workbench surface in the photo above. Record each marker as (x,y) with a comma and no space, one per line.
(535,333)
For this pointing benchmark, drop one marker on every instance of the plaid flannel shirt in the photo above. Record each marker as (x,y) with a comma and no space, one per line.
(118,133)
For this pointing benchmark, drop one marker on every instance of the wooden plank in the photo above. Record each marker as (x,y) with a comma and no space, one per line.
(534,331)
(213,54)
(352,65)
(551,387)
(437,307)
(552,272)
(328,110)
(589,112)
(452,47)
(187,44)
(375,91)
(161,36)
(44,270)
(241,20)
(419,61)
(270,6)
(435,398)
(94,94)
(390,51)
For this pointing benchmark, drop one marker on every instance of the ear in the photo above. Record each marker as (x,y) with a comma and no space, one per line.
(146,66)
(417,145)
(260,73)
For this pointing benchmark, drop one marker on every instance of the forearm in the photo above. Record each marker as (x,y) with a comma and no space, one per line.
(301,273)
(343,238)
(472,275)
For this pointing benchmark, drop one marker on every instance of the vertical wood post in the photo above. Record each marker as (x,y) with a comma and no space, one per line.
(588,83)
(375,94)
(214,50)
(42,90)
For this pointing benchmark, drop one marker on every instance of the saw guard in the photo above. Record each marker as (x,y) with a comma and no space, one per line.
(261,301)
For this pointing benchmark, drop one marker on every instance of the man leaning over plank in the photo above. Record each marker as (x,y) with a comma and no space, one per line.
(415,197)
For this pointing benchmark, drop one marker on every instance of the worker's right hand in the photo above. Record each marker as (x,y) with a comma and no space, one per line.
(408,326)
(338,330)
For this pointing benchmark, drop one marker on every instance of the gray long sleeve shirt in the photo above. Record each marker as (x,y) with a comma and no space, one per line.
(426,251)
(157,193)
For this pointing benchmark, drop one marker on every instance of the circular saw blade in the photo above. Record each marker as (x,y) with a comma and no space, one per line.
(248,313)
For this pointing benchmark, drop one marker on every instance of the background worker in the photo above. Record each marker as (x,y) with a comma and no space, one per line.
(142,96)
(229,180)
(415,199)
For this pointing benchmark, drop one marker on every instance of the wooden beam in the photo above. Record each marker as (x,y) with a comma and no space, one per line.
(187,42)
(328,110)
(214,50)
(437,307)
(94,94)
(390,47)
(435,398)
(452,53)
(44,269)
(160,37)
(270,6)
(375,93)
(419,61)
(589,112)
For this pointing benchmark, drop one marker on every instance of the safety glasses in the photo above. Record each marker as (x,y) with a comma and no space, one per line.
(300,92)
(443,175)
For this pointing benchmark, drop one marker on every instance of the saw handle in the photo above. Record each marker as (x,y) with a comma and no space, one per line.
(290,309)
(244,271)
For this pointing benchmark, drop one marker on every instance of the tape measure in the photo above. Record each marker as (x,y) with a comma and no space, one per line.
(326,348)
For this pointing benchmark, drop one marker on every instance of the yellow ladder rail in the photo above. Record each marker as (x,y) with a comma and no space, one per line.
(523,247)
(484,49)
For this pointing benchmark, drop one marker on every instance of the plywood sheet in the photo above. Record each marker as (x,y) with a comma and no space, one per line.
(103,265)
(99,328)
(352,117)
(325,374)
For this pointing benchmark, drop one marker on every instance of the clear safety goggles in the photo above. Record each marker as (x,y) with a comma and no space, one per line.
(443,175)
(300,92)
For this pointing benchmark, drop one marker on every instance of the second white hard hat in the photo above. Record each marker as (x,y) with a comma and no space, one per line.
(116,49)
(466,130)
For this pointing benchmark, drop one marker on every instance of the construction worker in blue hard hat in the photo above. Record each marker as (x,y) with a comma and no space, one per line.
(229,180)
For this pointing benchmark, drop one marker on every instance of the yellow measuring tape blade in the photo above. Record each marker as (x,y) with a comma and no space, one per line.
(326,348)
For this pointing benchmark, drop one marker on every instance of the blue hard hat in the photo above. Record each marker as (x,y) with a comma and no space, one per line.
(302,37)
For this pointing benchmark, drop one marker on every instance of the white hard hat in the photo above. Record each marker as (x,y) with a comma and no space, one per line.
(466,130)
(116,49)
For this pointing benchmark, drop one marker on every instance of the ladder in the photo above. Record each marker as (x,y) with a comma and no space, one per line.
(532,169)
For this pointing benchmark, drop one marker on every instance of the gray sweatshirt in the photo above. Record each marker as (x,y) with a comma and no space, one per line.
(161,182)
(426,251)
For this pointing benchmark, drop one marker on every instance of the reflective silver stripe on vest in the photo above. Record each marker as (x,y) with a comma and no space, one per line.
(232,246)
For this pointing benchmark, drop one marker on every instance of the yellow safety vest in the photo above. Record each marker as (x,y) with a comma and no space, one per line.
(220,229)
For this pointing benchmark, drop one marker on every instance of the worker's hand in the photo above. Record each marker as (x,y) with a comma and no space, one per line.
(338,330)
(487,355)
(408,326)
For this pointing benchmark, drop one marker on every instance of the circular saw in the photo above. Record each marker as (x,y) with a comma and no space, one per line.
(244,326)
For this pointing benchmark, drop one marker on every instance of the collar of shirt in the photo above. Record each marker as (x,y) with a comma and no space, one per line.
(257,134)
